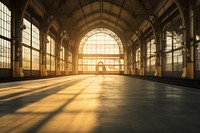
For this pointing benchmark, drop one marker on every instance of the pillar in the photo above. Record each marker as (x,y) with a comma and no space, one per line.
(17,40)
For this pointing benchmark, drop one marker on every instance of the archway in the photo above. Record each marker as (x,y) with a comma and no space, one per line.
(101,49)
(100,68)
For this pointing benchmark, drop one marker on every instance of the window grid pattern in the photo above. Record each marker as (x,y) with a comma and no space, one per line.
(26,58)
(26,39)
(62,58)
(70,61)
(173,55)
(151,56)
(50,54)
(35,37)
(31,41)
(5,54)
(138,54)
(5,31)
(130,60)
(5,21)
(101,45)
(198,56)
(35,60)
(95,45)
(100,30)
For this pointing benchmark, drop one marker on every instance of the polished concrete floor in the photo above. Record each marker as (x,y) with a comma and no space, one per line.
(98,104)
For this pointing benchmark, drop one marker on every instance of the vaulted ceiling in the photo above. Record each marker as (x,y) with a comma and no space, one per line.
(80,16)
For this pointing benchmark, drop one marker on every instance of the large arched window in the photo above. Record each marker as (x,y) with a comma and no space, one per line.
(5,36)
(101,45)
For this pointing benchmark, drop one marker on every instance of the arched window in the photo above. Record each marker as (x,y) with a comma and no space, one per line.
(5,36)
(31,46)
(50,54)
(101,45)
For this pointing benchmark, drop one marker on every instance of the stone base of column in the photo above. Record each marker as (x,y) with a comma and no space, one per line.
(66,71)
(190,70)
(142,71)
(43,71)
(158,72)
(133,71)
(58,71)
(17,70)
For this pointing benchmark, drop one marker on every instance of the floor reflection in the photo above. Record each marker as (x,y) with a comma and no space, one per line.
(71,109)
(98,104)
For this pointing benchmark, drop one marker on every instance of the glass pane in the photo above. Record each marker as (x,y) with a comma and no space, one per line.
(5,54)
(178,60)
(35,60)
(101,45)
(35,37)
(26,33)
(50,51)
(26,55)
(5,21)
(168,62)
(198,56)
(168,41)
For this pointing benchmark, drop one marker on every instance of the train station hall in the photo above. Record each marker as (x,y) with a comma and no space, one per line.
(99,66)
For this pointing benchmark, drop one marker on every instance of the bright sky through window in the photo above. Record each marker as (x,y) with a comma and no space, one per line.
(101,45)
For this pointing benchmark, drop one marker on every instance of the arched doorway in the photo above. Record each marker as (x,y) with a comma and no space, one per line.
(100,68)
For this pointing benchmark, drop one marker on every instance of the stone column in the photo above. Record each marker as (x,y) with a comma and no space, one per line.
(133,60)
(191,43)
(158,64)
(43,70)
(17,26)
(66,58)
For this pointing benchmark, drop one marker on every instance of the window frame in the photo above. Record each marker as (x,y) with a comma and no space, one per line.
(5,37)
(169,28)
(29,44)
(51,53)
(98,50)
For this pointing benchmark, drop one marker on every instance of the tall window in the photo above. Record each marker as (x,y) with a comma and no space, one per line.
(62,58)
(5,36)
(101,45)
(151,56)
(50,54)
(31,46)
(173,38)
(130,60)
(197,53)
(138,58)
(70,61)
(197,48)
